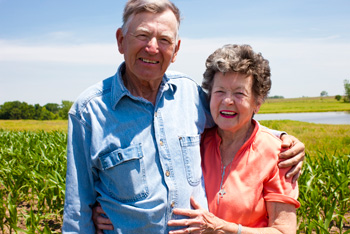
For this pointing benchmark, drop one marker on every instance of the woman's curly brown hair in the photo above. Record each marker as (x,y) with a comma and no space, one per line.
(241,59)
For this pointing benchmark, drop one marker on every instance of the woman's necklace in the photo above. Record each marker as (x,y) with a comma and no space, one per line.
(222,191)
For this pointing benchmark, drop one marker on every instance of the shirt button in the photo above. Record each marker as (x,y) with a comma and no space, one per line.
(167,173)
(161,143)
(172,204)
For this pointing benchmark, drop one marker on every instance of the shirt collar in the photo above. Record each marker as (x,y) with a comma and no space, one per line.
(119,90)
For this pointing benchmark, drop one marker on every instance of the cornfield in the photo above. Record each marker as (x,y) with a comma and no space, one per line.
(32,176)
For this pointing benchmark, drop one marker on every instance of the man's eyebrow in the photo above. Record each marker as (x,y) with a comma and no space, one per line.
(142,29)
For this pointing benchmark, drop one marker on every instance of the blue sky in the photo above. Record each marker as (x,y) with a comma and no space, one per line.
(51,50)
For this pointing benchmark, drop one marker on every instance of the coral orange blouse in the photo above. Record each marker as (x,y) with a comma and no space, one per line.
(252,178)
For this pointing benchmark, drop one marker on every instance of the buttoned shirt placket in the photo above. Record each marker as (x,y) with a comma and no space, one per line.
(164,155)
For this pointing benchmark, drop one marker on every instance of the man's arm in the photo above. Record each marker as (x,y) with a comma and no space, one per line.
(80,194)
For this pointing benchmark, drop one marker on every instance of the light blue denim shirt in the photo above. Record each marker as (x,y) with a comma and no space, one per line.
(139,160)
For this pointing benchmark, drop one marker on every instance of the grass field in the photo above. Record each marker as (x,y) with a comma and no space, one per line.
(34,125)
(333,139)
(295,105)
(32,174)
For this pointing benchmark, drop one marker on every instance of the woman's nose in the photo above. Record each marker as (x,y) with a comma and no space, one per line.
(228,99)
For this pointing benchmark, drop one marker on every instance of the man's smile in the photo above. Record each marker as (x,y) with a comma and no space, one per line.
(148,61)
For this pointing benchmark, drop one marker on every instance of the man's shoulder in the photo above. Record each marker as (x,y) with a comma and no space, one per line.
(90,94)
(179,76)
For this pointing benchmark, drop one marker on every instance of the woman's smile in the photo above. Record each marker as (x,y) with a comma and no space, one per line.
(228,114)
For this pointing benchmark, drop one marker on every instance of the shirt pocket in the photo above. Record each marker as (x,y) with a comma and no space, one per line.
(124,175)
(191,154)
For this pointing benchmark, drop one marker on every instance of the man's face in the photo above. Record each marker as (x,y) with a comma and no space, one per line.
(149,45)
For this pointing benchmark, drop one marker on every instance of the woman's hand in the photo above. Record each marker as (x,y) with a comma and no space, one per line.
(294,156)
(101,223)
(199,221)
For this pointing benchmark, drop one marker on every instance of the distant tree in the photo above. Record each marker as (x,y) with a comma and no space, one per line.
(64,108)
(324,94)
(16,110)
(10,110)
(338,97)
(276,97)
(52,107)
(23,110)
(46,115)
(347,90)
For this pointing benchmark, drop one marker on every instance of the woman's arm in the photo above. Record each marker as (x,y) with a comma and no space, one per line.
(282,219)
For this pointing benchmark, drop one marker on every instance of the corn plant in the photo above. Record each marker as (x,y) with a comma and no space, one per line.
(32,173)
(32,185)
(324,194)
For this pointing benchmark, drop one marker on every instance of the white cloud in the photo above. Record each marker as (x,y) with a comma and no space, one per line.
(79,54)
(300,67)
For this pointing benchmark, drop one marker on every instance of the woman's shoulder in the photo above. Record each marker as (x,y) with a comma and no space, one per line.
(264,135)
(267,143)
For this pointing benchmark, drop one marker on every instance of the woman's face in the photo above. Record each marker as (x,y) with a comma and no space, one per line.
(232,102)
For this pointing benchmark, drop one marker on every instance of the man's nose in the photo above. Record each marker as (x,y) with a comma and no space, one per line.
(152,46)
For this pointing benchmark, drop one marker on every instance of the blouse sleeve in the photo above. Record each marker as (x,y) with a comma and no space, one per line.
(279,189)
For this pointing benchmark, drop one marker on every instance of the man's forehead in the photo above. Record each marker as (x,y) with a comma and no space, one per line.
(144,28)
(149,24)
(166,16)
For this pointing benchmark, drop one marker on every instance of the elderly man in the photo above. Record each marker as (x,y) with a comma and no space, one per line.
(133,139)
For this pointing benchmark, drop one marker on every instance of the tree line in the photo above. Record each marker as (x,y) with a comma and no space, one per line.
(23,110)
(51,111)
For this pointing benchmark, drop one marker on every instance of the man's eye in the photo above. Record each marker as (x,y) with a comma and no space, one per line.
(141,37)
(165,41)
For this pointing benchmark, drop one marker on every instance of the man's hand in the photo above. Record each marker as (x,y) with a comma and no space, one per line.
(294,156)
(101,223)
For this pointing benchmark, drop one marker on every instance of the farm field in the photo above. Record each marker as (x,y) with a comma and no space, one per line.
(33,169)
(33,160)
(295,105)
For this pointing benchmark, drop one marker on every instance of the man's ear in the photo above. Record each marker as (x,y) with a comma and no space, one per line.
(177,48)
(120,38)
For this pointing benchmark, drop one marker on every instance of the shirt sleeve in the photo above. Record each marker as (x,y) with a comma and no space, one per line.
(205,102)
(279,189)
(80,194)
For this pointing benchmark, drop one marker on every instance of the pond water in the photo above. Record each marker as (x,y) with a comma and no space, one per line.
(314,117)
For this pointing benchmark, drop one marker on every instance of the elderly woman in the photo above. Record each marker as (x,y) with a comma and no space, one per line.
(246,191)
